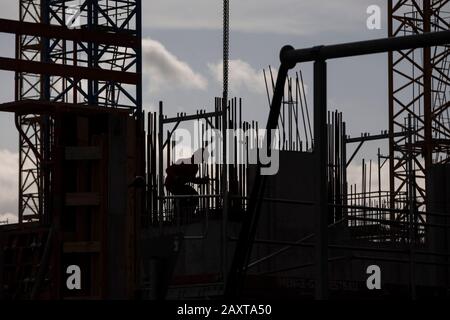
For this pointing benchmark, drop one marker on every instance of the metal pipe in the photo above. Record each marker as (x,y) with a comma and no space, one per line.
(291,57)
(345,247)
(388,210)
(279,200)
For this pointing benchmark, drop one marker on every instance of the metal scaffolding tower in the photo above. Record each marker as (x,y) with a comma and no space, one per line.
(31,126)
(78,111)
(96,193)
(118,18)
(418,102)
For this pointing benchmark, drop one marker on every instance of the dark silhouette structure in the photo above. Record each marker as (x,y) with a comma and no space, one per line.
(99,187)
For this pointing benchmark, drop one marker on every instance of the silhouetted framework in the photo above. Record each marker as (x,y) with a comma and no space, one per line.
(418,103)
(33,129)
(97,180)
(118,56)
(78,110)
(163,150)
(290,57)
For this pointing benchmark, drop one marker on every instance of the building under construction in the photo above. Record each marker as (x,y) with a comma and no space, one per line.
(93,170)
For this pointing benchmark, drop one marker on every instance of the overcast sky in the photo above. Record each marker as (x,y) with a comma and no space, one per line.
(183,52)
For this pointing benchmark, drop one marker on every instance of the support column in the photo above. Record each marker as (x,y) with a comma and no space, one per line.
(320,150)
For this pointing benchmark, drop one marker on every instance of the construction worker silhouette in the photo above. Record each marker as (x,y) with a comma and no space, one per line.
(179,176)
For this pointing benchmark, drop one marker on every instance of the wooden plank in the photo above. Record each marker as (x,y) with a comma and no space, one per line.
(82,199)
(81,247)
(46,107)
(83,153)
(59,32)
(68,71)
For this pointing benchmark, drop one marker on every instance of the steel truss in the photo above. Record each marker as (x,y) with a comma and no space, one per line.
(418,102)
(36,133)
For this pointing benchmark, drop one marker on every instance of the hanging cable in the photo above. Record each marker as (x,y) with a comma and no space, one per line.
(226,47)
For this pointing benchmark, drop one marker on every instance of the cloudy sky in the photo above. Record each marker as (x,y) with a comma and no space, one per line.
(182,62)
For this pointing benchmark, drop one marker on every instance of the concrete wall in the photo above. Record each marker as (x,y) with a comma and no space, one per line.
(438,239)
(288,222)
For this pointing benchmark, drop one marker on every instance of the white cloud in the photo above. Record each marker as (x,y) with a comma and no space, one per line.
(9,165)
(242,76)
(165,70)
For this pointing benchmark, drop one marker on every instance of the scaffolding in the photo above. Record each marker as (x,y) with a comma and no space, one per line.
(36,131)
(78,110)
(418,102)
(92,186)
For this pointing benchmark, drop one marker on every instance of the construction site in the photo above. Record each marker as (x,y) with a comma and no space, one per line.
(99,176)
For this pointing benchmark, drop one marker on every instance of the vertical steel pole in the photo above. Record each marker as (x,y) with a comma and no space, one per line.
(149,173)
(90,83)
(427,93)
(45,52)
(344,168)
(391,117)
(46,120)
(17,97)
(321,207)
(412,209)
(160,166)
(379,179)
(2,264)
(139,55)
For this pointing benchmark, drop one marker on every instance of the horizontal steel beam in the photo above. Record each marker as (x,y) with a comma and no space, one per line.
(68,71)
(63,33)
(291,56)
(374,137)
(192,117)
(396,250)
(41,107)
(206,196)
(279,200)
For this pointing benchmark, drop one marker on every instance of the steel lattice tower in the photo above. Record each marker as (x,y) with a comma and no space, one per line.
(35,131)
(418,101)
